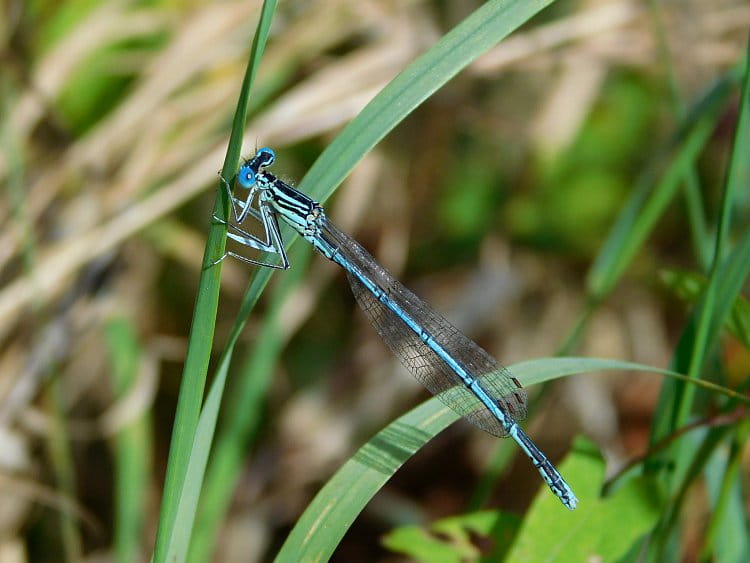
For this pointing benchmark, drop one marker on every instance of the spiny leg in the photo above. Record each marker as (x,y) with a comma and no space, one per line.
(273,244)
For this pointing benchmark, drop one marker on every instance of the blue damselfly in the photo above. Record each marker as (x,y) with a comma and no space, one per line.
(448,363)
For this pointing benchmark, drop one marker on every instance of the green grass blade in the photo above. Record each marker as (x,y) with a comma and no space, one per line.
(731,278)
(651,197)
(641,213)
(649,201)
(179,542)
(709,324)
(667,531)
(689,287)
(686,462)
(204,316)
(738,173)
(200,451)
(63,465)
(712,318)
(242,415)
(727,520)
(693,196)
(698,341)
(480,31)
(331,513)
(132,446)
(473,36)
(724,284)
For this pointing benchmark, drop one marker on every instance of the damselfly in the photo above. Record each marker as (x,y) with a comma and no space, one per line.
(448,363)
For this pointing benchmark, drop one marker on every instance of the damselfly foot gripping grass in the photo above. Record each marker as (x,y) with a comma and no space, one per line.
(448,363)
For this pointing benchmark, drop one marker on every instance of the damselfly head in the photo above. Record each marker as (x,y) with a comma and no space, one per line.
(247,177)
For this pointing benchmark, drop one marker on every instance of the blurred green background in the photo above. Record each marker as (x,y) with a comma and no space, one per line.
(492,201)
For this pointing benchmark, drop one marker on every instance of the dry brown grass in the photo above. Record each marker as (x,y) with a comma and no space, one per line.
(117,203)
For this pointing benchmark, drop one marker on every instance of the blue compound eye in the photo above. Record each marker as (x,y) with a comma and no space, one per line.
(246,177)
(266,156)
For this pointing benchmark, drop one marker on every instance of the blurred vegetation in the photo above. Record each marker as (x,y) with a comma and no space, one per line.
(581,188)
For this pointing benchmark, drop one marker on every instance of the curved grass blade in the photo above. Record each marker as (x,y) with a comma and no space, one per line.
(725,283)
(204,319)
(472,37)
(325,521)
(686,463)
(480,31)
(709,325)
(730,278)
(726,279)
(689,287)
(653,194)
(476,34)
(727,509)
(650,199)
(726,538)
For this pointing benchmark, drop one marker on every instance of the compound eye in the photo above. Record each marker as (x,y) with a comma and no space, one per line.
(246,177)
(268,156)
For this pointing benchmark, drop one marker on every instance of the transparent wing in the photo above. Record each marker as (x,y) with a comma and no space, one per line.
(429,368)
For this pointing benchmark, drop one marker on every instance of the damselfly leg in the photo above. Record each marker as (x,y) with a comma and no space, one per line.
(273,242)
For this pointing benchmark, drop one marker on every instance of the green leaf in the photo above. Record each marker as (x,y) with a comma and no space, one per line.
(600,529)
(451,540)
(335,507)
